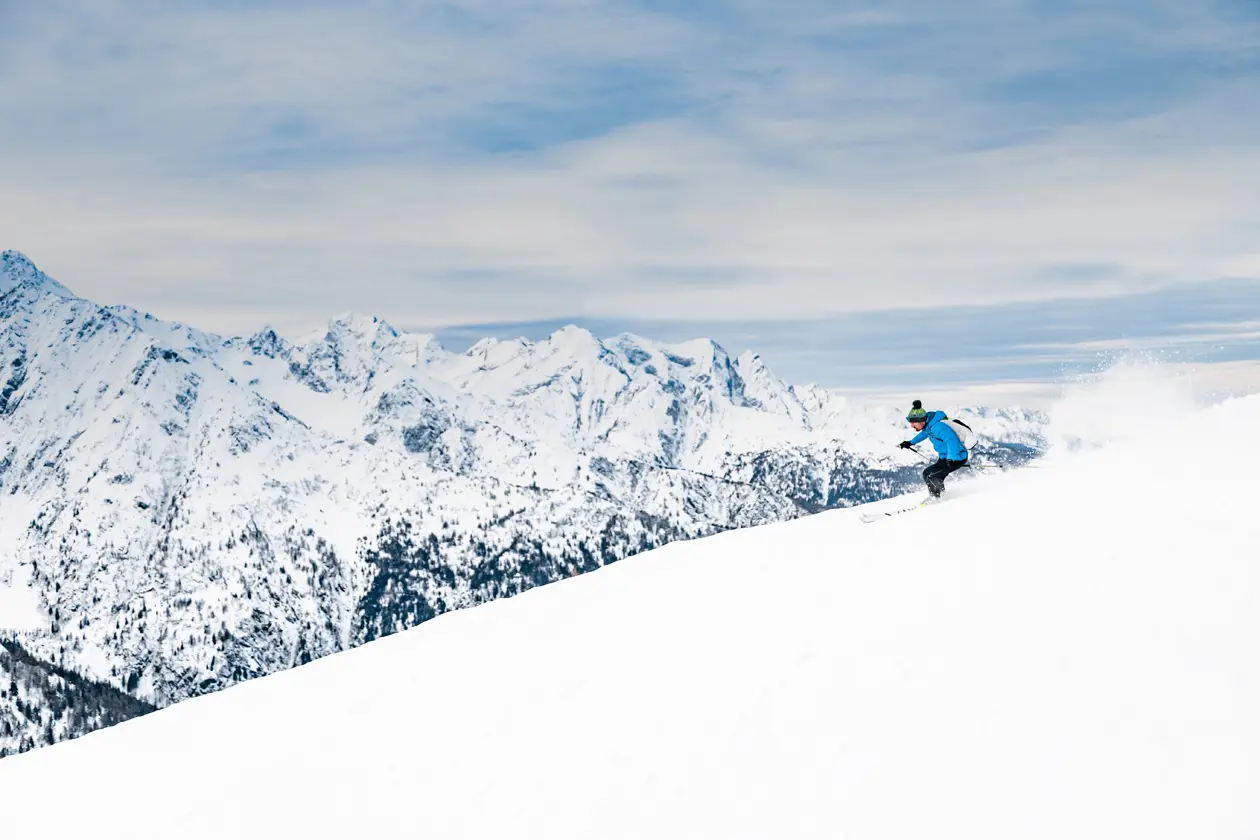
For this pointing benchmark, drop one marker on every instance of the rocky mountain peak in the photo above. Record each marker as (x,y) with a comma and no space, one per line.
(17,270)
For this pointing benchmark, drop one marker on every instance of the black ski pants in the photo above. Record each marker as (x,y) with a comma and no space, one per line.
(934,475)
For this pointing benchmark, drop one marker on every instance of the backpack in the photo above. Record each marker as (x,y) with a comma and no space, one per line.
(964,432)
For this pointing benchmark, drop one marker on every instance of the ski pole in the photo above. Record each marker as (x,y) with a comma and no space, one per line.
(917,452)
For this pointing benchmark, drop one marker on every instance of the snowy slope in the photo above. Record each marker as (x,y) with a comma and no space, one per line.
(180,512)
(1060,652)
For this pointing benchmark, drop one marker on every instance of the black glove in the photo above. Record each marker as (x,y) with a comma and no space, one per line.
(905,444)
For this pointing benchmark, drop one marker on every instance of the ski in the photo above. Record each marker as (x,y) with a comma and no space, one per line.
(868,518)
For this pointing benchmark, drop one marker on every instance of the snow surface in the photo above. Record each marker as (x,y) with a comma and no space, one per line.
(1058,652)
(19,601)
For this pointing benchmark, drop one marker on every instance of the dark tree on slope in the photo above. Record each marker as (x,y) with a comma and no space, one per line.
(419,577)
(43,703)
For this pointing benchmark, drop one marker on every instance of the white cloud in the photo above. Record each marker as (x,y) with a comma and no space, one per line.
(149,163)
(1203,383)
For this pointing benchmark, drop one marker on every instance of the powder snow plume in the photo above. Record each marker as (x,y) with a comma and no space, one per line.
(1119,403)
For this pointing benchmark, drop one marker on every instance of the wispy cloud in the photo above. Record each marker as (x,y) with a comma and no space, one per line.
(953,347)
(471,162)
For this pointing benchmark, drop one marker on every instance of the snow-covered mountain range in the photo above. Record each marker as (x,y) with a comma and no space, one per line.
(181,511)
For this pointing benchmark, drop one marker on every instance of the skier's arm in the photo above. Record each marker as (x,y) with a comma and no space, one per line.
(919,438)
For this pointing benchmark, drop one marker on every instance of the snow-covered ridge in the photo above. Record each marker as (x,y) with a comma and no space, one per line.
(16,270)
(1059,652)
(180,511)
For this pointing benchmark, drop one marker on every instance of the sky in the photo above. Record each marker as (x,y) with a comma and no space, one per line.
(869,194)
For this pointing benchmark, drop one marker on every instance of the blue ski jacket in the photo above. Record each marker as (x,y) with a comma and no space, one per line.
(944,439)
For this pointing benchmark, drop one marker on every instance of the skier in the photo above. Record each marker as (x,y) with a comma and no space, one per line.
(945,438)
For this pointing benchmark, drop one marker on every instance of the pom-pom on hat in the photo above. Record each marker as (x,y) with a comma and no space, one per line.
(917,414)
